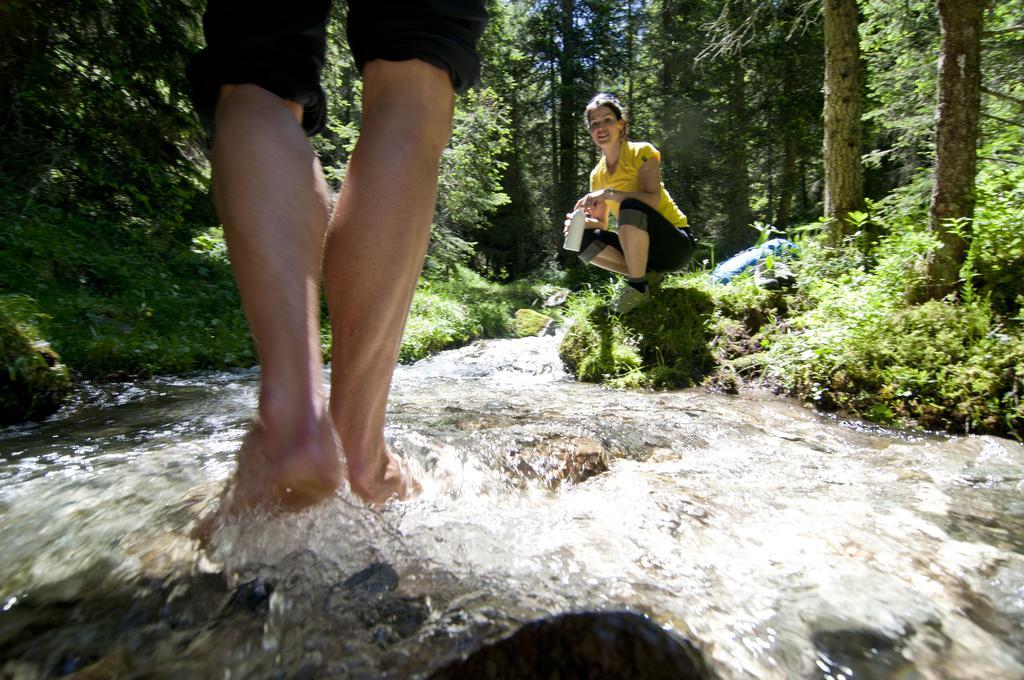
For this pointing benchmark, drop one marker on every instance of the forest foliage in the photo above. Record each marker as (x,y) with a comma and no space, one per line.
(107,222)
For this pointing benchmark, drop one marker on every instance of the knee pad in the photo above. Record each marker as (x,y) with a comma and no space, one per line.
(633,217)
(590,250)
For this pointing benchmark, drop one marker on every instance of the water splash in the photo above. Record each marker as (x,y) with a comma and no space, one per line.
(783,543)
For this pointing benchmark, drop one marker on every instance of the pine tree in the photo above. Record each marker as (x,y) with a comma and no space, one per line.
(956,139)
(844,177)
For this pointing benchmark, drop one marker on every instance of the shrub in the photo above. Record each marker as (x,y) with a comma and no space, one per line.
(856,344)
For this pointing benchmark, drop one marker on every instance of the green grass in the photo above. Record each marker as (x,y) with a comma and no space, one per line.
(121,304)
(459,306)
(121,301)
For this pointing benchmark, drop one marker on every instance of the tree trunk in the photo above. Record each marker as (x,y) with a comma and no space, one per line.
(738,234)
(630,52)
(568,109)
(956,138)
(844,176)
(554,208)
(789,176)
(790,124)
(805,199)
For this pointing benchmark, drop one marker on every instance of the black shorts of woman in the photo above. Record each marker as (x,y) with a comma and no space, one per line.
(652,237)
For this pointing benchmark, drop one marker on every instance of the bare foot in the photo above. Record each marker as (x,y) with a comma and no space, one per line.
(266,479)
(394,478)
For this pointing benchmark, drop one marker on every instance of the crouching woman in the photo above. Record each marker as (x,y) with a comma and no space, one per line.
(652,237)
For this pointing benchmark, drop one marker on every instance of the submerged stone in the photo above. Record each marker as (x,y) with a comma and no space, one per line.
(379,577)
(862,653)
(584,645)
(559,460)
(250,597)
(396,618)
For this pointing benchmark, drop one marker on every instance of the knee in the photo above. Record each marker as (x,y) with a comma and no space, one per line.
(632,233)
(410,94)
(247,97)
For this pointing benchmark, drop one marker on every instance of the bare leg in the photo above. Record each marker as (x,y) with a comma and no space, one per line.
(612,259)
(271,197)
(632,259)
(375,249)
(635,245)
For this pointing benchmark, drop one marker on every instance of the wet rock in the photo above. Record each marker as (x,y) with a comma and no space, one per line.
(475,422)
(25,621)
(584,645)
(368,597)
(251,597)
(84,636)
(377,578)
(996,603)
(395,619)
(860,653)
(556,461)
(188,602)
(73,663)
(558,298)
(33,381)
(113,666)
(310,668)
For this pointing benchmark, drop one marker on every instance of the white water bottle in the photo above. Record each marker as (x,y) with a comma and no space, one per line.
(574,237)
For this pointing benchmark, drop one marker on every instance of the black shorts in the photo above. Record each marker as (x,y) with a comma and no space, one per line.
(282,46)
(670,248)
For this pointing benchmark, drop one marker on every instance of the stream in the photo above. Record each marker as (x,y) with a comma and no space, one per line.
(655,534)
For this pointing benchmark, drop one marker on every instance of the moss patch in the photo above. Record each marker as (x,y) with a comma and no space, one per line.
(665,343)
(529,322)
(34,382)
(597,348)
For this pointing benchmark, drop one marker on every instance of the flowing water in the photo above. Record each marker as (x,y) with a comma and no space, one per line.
(780,542)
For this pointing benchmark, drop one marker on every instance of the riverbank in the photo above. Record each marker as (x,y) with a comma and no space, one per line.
(849,336)
(81,300)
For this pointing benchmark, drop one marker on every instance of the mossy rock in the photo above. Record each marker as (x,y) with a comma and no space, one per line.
(34,383)
(664,343)
(598,349)
(529,322)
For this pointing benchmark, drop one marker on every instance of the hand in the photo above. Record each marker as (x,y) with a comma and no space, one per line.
(602,196)
(592,223)
(592,201)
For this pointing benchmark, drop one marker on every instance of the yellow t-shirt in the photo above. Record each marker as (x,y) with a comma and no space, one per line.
(626,178)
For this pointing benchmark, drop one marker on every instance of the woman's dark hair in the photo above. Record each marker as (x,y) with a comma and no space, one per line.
(612,102)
